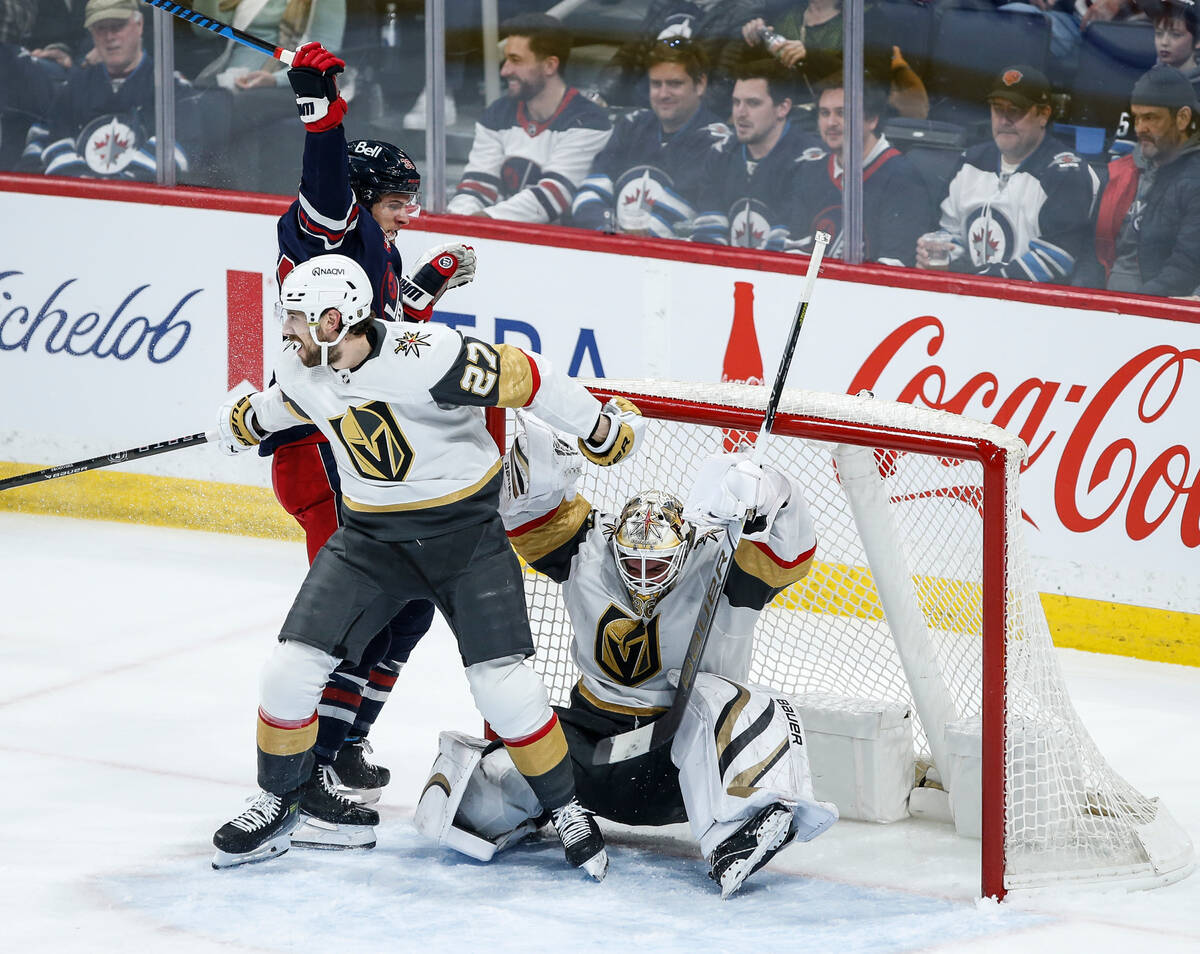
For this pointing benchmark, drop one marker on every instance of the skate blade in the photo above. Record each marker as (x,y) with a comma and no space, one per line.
(360,796)
(772,837)
(264,852)
(313,833)
(597,865)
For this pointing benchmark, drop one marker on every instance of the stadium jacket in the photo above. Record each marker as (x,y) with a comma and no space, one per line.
(897,208)
(1118,194)
(1034,224)
(1169,233)
(675,165)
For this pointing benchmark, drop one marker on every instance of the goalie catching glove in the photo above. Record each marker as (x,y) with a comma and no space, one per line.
(625,428)
(314,81)
(441,268)
(729,487)
(237,426)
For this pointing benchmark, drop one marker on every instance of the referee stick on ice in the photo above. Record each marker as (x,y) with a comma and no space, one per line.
(107,460)
(225,30)
(629,745)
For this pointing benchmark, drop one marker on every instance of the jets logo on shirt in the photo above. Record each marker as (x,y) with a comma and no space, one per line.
(108,145)
(411,343)
(989,236)
(627,649)
(373,439)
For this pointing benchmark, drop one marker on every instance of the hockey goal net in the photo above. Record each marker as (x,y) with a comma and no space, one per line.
(921,592)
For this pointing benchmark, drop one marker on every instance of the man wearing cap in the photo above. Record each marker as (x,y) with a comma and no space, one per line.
(1020,205)
(1148,225)
(101,122)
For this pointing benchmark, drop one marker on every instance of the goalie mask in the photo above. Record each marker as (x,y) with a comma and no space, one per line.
(321,283)
(651,544)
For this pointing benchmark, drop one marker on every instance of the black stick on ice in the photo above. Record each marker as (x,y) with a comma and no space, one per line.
(106,460)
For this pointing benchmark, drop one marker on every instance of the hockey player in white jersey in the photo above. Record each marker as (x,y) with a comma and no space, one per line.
(402,407)
(737,769)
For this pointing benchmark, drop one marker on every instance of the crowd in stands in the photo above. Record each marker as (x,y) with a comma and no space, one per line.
(1024,154)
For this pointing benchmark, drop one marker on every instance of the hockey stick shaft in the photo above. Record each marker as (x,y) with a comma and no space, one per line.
(106,460)
(637,742)
(224,29)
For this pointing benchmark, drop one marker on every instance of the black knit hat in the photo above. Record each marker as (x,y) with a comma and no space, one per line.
(1163,86)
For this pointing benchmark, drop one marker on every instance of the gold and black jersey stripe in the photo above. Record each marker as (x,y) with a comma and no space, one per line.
(548,543)
(758,575)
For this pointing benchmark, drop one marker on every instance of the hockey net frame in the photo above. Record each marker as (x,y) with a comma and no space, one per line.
(1052,811)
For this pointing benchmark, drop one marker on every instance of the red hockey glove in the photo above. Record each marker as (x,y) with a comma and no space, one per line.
(313,78)
(438,270)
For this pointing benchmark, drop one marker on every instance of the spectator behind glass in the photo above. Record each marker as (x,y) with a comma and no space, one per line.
(1176,30)
(288,23)
(749,179)
(809,41)
(1148,226)
(534,146)
(58,39)
(647,179)
(897,207)
(25,88)
(710,23)
(1019,206)
(101,123)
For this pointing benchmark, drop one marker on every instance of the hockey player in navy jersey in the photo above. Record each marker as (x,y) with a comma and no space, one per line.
(750,178)
(631,584)
(648,178)
(897,208)
(400,405)
(534,146)
(1019,206)
(353,198)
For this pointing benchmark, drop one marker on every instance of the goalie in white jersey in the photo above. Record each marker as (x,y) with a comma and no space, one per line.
(737,769)
(402,407)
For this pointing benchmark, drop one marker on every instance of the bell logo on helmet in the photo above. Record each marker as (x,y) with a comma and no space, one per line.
(364,148)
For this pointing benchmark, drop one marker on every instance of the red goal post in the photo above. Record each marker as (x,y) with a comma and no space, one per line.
(921,594)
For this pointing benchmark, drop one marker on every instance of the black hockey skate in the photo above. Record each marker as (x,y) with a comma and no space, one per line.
(359,780)
(581,837)
(330,820)
(262,831)
(750,847)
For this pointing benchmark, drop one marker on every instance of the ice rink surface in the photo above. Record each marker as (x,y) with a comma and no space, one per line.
(128,684)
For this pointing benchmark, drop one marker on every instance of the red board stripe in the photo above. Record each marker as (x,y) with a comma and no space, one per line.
(244,304)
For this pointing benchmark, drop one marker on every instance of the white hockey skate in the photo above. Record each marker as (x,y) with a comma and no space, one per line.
(750,847)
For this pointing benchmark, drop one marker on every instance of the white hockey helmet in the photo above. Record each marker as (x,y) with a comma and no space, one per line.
(651,544)
(324,282)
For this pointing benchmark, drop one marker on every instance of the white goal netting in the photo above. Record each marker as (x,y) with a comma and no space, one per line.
(904,578)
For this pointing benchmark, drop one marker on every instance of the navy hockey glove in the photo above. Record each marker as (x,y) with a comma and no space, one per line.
(314,81)
(441,268)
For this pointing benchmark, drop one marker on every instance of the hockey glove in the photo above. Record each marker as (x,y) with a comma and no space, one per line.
(625,428)
(439,269)
(237,427)
(540,468)
(314,81)
(729,487)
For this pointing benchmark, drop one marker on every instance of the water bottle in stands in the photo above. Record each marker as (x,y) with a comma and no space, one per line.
(389,33)
(771,40)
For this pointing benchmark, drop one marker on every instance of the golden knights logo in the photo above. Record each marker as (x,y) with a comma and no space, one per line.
(411,342)
(627,649)
(374,441)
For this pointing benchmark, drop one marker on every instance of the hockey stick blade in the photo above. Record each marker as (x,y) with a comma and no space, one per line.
(223,29)
(108,460)
(628,745)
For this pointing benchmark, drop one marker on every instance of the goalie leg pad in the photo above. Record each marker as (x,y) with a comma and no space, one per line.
(738,750)
(474,803)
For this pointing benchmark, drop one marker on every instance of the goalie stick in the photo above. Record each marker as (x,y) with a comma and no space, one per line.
(107,460)
(224,29)
(637,742)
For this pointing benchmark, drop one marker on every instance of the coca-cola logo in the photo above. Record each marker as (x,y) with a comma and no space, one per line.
(31,319)
(1110,465)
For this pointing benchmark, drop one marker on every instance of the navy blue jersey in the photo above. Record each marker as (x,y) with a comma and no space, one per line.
(748,202)
(897,208)
(326,217)
(645,179)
